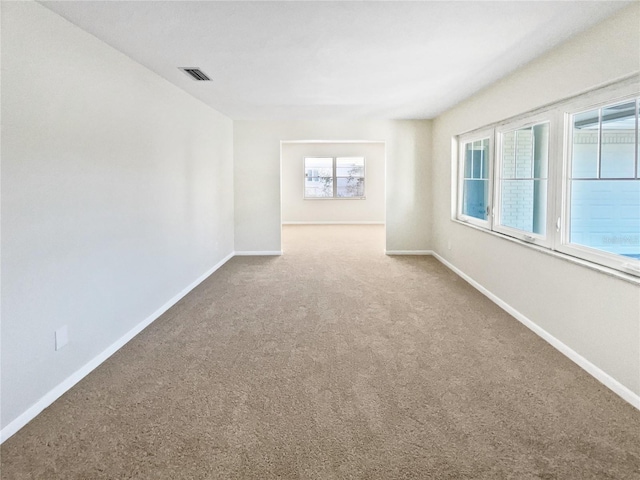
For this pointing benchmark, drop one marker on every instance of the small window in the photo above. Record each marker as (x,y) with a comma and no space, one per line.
(349,177)
(603,207)
(475,175)
(334,177)
(318,177)
(522,181)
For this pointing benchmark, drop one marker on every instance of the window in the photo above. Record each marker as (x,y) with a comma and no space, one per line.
(602,215)
(475,167)
(522,180)
(566,178)
(318,177)
(334,177)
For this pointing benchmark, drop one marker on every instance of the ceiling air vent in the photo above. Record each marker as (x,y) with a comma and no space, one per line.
(195,73)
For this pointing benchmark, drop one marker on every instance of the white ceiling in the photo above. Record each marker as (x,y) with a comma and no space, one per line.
(306,59)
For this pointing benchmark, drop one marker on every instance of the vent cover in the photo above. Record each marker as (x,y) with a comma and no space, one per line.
(195,73)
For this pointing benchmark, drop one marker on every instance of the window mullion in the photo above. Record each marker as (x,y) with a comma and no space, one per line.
(533,152)
(599,162)
(335,179)
(637,138)
(495,169)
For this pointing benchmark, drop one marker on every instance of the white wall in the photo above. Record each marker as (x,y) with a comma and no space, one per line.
(117,193)
(257,177)
(296,209)
(595,314)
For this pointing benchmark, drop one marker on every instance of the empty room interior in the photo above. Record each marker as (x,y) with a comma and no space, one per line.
(320,240)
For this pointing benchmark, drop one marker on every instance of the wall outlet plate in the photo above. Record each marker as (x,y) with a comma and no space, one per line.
(62,337)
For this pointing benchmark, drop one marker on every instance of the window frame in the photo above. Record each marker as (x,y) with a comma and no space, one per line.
(335,178)
(559,116)
(476,135)
(563,244)
(547,116)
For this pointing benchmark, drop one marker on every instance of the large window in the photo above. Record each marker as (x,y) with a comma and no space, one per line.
(603,185)
(566,178)
(334,177)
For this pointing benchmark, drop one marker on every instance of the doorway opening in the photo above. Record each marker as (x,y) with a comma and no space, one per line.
(337,183)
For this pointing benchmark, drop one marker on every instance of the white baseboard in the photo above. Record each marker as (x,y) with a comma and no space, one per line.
(67,384)
(330,222)
(83,371)
(258,253)
(599,374)
(408,252)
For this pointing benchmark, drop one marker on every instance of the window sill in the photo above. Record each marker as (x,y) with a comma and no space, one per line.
(335,198)
(612,272)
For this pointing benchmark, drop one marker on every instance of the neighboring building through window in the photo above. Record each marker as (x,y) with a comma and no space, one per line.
(604,207)
(521,185)
(334,177)
(318,177)
(566,178)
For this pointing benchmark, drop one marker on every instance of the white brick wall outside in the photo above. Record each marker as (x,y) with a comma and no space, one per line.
(517,207)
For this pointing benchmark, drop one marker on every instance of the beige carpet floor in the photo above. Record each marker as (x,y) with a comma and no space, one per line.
(333,361)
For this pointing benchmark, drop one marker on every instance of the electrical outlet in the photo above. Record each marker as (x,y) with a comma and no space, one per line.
(62,337)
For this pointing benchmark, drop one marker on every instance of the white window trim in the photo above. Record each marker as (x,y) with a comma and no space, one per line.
(564,244)
(335,178)
(462,140)
(549,117)
(558,190)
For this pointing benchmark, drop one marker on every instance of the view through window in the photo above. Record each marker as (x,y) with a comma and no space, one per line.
(566,178)
(605,186)
(334,177)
